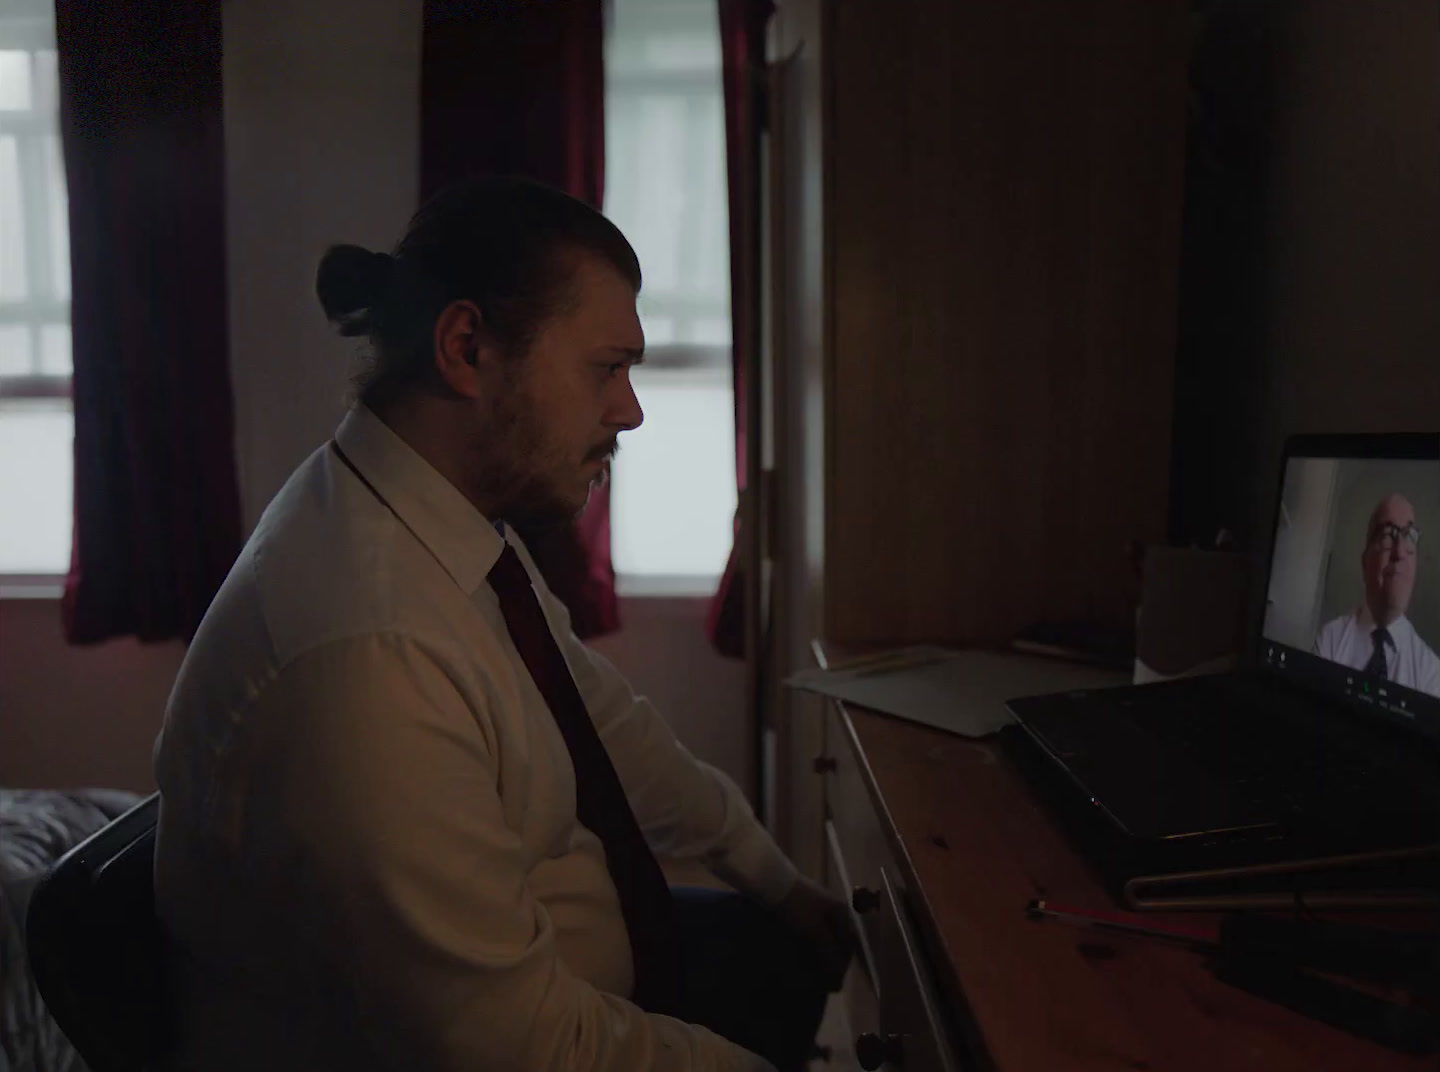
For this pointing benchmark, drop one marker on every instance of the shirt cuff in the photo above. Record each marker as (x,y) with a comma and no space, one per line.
(754,864)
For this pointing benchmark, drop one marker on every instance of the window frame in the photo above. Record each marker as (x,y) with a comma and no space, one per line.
(32,585)
(33,32)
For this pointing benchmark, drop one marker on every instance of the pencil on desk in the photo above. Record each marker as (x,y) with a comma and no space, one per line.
(1119,922)
(889,660)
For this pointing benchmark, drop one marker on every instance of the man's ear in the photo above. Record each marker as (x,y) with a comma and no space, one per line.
(465,358)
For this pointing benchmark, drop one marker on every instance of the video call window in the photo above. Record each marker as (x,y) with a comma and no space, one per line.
(1356,572)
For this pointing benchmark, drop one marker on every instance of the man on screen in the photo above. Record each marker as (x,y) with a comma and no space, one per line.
(1377,638)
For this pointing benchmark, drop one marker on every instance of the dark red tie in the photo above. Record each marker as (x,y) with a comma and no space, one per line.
(600,802)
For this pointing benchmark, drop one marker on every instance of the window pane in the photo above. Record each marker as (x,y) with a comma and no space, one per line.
(708,272)
(35,484)
(664,37)
(15,350)
(14,81)
(55,350)
(673,494)
(12,223)
(649,207)
(673,498)
(708,331)
(47,84)
(659,330)
(622,141)
(57,201)
(693,51)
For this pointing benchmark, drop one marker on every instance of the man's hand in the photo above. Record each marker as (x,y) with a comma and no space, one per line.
(824,919)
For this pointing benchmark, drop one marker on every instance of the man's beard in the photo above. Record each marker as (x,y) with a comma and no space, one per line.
(515,468)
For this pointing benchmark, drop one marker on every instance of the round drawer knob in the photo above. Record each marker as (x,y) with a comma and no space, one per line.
(864,900)
(875,1051)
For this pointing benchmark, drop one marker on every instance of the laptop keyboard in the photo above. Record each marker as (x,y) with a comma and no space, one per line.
(1258,734)
(1255,751)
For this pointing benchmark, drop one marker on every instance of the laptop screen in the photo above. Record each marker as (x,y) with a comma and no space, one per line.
(1353,602)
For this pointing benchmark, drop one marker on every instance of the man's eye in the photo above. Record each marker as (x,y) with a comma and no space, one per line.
(616,368)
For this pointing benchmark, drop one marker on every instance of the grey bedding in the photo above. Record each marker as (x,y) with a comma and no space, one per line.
(36,828)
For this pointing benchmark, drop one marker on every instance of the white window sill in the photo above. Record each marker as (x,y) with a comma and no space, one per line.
(665,586)
(627,586)
(31,585)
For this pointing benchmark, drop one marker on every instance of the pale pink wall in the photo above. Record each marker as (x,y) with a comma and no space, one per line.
(77,716)
(88,716)
(665,654)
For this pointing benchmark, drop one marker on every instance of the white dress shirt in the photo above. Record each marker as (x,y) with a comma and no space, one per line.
(1347,640)
(368,855)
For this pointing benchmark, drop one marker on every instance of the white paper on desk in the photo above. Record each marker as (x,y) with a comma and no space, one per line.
(962,692)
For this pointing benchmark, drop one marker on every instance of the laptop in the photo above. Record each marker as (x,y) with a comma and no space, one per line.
(1327,738)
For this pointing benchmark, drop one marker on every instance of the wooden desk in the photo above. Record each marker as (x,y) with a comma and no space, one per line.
(967,846)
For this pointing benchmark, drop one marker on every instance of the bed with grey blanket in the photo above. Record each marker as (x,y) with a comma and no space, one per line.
(36,828)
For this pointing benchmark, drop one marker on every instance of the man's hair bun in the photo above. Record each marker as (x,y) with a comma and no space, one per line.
(351,283)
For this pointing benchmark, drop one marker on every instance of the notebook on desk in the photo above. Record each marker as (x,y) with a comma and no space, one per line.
(961,692)
(1329,740)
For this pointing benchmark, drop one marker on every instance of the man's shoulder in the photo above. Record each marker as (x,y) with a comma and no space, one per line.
(317,583)
(1423,651)
(327,561)
(1330,641)
(334,562)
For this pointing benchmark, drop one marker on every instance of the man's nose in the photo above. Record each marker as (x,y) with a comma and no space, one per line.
(626,413)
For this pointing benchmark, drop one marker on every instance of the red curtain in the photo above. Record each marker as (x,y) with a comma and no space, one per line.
(742,39)
(157,506)
(519,89)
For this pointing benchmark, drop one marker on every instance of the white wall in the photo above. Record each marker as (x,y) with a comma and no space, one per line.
(322,119)
(322,134)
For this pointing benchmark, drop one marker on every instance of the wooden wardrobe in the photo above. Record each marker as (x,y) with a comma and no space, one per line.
(972,220)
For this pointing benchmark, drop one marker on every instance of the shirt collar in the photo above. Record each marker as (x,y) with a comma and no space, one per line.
(1397,629)
(465,542)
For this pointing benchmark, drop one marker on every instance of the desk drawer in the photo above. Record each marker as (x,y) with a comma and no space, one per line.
(888,994)
(849,808)
(843,886)
(861,1003)
(910,1036)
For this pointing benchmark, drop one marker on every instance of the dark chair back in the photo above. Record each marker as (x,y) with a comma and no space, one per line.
(95,944)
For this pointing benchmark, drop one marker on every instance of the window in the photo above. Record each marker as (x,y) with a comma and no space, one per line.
(673,492)
(36,424)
